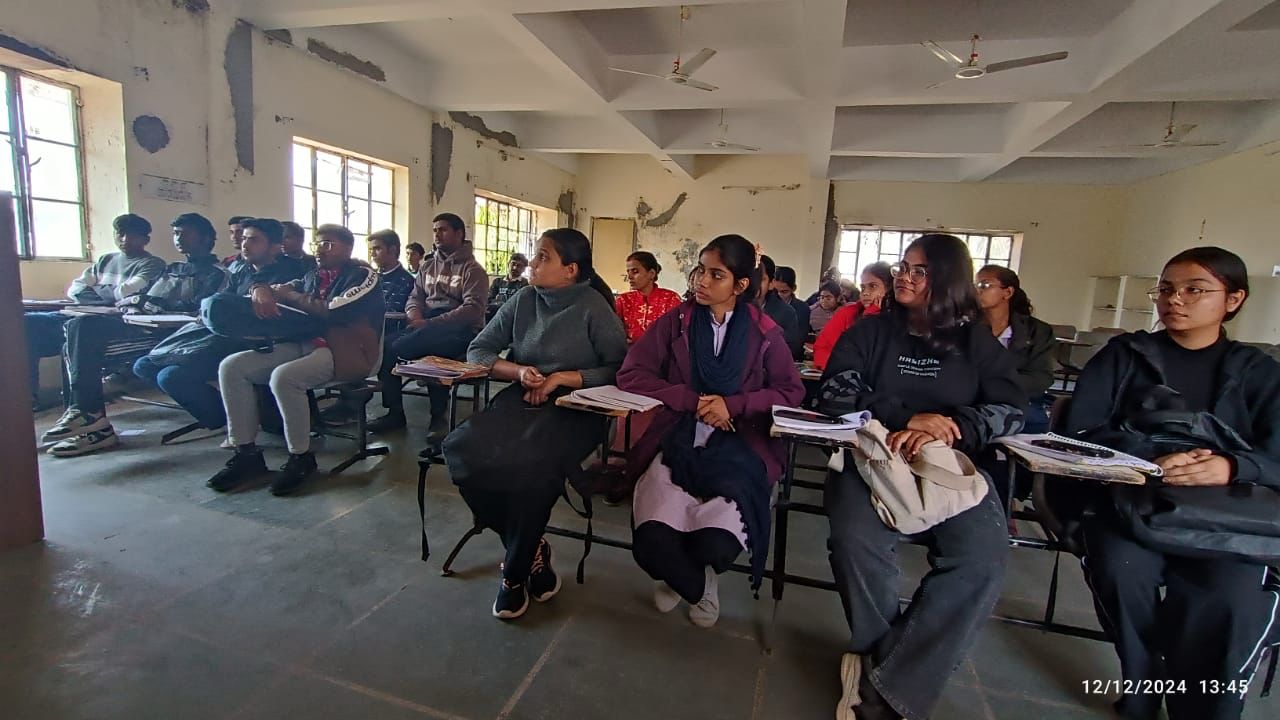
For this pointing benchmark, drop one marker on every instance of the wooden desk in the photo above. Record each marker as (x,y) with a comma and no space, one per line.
(29,305)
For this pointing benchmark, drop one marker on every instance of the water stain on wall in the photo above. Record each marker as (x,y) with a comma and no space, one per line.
(476,124)
(667,215)
(237,63)
(441,159)
(346,60)
(151,133)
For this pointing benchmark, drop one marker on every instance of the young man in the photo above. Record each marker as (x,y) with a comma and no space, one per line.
(342,292)
(416,254)
(785,285)
(235,229)
(445,311)
(186,376)
(503,288)
(778,309)
(84,427)
(294,239)
(114,277)
(395,281)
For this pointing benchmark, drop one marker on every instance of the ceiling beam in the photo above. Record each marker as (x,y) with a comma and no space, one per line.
(822,38)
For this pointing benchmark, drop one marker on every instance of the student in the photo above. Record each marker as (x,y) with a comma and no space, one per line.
(831,274)
(1008,312)
(84,428)
(785,285)
(186,372)
(445,311)
(235,229)
(294,239)
(1211,625)
(344,293)
(828,304)
(646,302)
(503,288)
(849,291)
(510,461)
(874,295)
(928,369)
(718,364)
(775,307)
(416,254)
(395,281)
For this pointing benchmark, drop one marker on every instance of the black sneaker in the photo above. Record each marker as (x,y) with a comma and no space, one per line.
(295,471)
(393,420)
(511,602)
(438,429)
(240,469)
(544,583)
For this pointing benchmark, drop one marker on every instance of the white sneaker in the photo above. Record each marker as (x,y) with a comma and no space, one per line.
(664,598)
(87,443)
(850,677)
(226,444)
(75,422)
(707,611)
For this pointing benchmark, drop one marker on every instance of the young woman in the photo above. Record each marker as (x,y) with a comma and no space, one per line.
(876,281)
(928,369)
(1217,616)
(1008,313)
(826,307)
(718,364)
(511,460)
(646,302)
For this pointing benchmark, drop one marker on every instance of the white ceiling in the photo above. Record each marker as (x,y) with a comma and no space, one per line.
(841,83)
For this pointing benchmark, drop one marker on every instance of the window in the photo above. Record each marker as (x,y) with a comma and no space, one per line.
(861,246)
(40,165)
(332,187)
(501,228)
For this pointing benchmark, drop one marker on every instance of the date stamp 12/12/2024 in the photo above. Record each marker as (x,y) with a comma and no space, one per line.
(1164,687)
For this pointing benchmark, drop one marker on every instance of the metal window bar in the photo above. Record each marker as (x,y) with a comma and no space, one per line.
(501,229)
(851,245)
(344,159)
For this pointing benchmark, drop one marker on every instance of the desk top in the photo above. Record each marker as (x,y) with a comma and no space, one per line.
(1051,466)
(807,437)
(47,305)
(565,401)
(90,310)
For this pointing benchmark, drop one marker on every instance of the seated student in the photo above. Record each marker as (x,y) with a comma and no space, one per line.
(510,461)
(185,372)
(445,311)
(294,239)
(831,274)
(1008,312)
(344,293)
(84,428)
(646,302)
(718,364)
(416,254)
(114,277)
(1210,628)
(928,369)
(828,303)
(501,289)
(395,281)
(775,307)
(785,285)
(871,299)
(235,228)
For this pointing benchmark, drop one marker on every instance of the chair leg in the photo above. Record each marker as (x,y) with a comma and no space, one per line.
(364,450)
(446,570)
(175,434)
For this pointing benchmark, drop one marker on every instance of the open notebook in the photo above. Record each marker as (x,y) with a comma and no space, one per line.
(1024,445)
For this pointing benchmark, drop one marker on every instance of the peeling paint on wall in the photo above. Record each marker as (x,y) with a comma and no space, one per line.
(237,63)
(280,36)
(346,60)
(565,205)
(686,255)
(669,214)
(476,124)
(11,43)
(757,189)
(830,229)
(441,159)
(643,209)
(198,7)
(142,72)
(151,133)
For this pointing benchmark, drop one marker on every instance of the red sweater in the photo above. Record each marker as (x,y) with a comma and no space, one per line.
(844,319)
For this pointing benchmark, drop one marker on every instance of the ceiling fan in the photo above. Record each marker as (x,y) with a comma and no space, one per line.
(681,71)
(971,70)
(723,143)
(1175,136)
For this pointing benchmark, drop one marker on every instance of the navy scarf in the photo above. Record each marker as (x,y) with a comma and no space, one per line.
(712,374)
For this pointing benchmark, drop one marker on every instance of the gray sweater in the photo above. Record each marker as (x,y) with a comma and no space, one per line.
(569,328)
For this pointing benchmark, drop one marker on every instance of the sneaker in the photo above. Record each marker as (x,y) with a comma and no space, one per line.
(295,471)
(707,611)
(84,444)
(74,423)
(226,444)
(243,467)
(393,420)
(437,430)
(850,682)
(511,602)
(544,583)
(664,598)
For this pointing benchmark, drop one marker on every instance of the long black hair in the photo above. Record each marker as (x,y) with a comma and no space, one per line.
(1222,264)
(1019,303)
(739,255)
(574,247)
(647,261)
(884,273)
(953,304)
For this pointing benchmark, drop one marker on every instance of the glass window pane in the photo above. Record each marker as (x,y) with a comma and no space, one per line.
(890,242)
(53,171)
(302,165)
(868,251)
(6,164)
(48,111)
(381,217)
(848,241)
(357,179)
(4,103)
(328,171)
(382,184)
(302,206)
(978,247)
(848,263)
(329,208)
(1001,248)
(358,216)
(57,229)
(361,241)
(481,211)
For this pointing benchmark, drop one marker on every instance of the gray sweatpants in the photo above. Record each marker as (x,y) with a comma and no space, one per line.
(290,370)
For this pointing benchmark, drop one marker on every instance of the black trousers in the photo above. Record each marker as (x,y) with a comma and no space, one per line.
(1213,624)
(449,341)
(87,340)
(679,559)
(45,338)
(519,518)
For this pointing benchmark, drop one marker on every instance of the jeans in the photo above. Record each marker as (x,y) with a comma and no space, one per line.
(189,386)
(45,338)
(910,654)
(290,369)
(519,518)
(87,340)
(450,341)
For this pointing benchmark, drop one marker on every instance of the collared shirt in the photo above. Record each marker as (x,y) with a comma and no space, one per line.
(1006,337)
(703,431)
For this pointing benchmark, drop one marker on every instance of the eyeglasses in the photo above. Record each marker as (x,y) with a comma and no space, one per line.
(323,244)
(915,272)
(1188,294)
(987,285)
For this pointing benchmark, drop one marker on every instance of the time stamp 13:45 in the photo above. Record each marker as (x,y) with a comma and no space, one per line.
(1164,687)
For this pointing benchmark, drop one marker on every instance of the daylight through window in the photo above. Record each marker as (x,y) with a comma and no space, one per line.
(332,187)
(861,246)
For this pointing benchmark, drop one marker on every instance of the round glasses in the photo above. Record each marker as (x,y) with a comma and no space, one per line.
(916,272)
(1189,294)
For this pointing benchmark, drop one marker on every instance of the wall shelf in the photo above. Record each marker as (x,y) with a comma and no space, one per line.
(1120,301)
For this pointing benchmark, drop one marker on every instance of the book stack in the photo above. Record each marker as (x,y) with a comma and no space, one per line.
(438,368)
(609,397)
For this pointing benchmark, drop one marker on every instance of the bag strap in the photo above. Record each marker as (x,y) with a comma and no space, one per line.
(574,481)
(926,468)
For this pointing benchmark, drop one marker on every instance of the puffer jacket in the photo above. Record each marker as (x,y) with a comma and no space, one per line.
(353,308)
(180,289)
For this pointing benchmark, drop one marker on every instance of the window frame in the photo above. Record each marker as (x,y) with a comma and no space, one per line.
(20,160)
(906,235)
(312,186)
(480,235)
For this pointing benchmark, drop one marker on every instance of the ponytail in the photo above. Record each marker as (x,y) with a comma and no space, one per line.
(574,248)
(600,286)
(1019,303)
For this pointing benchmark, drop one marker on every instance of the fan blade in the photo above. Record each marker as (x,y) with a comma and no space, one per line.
(695,62)
(1178,132)
(943,54)
(699,85)
(637,72)
(1026,62)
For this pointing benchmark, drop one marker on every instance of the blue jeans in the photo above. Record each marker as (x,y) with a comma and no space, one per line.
(188,385)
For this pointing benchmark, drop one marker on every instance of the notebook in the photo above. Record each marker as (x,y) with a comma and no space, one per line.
(611,397)
(1023,443)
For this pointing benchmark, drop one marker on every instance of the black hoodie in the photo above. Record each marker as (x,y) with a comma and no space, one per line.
(1127,377)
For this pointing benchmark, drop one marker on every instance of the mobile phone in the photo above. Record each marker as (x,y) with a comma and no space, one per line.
(809,417)
(1073,449)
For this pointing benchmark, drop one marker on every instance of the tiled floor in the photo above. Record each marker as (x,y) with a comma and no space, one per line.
(154,597)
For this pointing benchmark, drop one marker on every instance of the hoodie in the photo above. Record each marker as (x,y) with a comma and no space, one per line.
(451,288)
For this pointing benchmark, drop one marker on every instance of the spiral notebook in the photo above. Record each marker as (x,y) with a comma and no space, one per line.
(1118,459)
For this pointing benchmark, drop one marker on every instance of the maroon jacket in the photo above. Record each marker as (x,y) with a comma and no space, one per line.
(658,366)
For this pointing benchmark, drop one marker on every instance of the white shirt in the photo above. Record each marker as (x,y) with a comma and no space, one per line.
(718,329)
(1006,337)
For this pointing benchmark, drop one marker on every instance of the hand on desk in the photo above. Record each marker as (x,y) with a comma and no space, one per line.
(1195,468)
